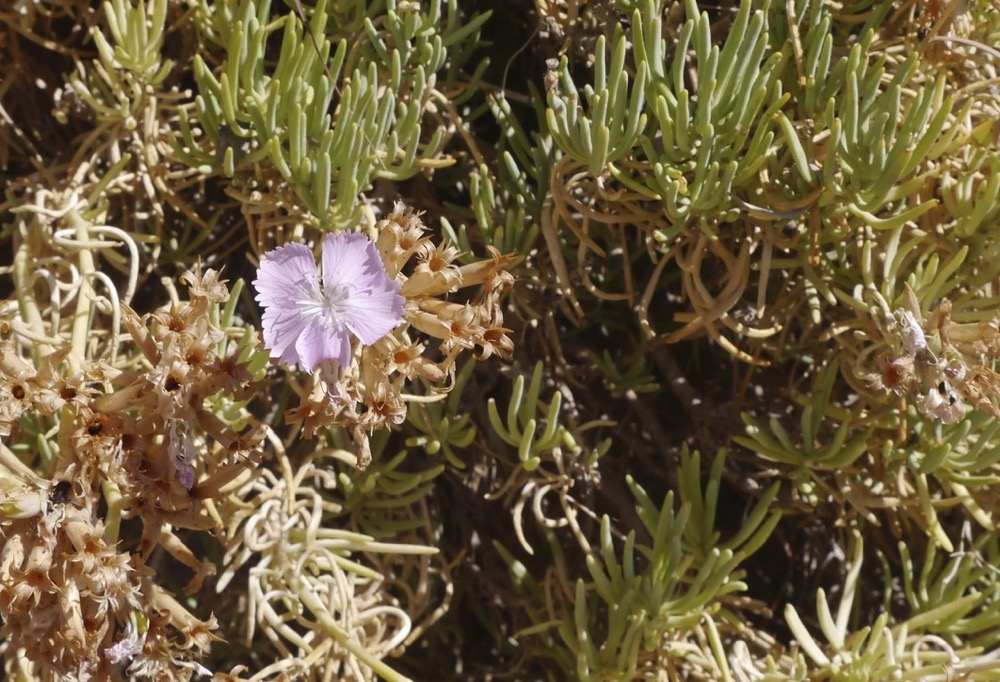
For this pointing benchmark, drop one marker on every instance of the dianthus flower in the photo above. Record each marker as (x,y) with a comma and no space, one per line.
(309,316)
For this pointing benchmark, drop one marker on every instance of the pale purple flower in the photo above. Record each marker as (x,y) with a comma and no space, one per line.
(182,453)
(128,646)
(309,316)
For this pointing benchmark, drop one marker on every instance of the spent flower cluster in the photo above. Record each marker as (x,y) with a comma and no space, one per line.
(945,366)
(79,597)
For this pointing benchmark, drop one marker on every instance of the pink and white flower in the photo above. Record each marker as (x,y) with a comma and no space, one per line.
(310,316)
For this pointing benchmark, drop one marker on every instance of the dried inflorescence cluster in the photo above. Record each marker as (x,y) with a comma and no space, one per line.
(943,365)
(369,392)
(77,596)
(75,607)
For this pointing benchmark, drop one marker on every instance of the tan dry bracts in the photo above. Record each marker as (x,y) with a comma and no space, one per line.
(131,444)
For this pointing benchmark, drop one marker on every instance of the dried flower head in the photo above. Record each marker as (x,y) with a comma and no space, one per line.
(937,362)
(309,316)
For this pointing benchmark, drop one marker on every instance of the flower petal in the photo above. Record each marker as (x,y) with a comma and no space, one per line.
(319,342)
(285,279)
(373,307)
(372,314)
(282,326)
(281,267)
(350,258)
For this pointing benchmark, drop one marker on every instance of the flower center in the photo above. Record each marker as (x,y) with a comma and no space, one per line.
(324,300)
(334,296)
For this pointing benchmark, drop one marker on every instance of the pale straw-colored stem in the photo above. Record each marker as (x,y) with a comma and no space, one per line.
(318,608)
(85,297)
(116,503)
(30,313)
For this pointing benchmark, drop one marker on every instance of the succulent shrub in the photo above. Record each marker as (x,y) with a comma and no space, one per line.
(550,340)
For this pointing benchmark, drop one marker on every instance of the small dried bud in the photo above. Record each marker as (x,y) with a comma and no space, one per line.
(914,339)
